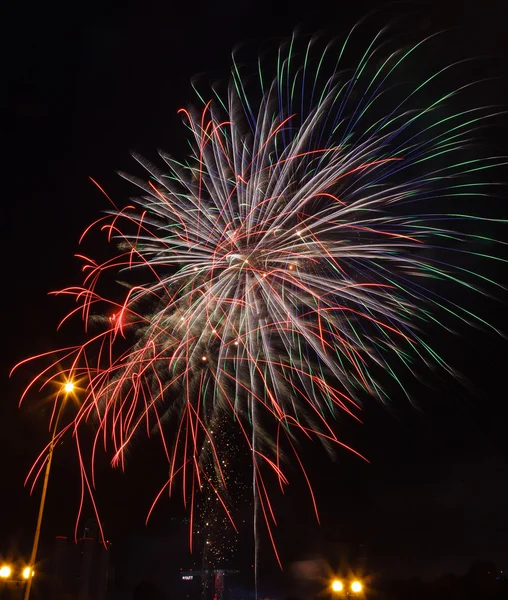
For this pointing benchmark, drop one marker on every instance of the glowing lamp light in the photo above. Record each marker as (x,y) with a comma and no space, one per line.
(68,387)
(356,587)
(337,586)
(5,572)
(203,358)
(27,572)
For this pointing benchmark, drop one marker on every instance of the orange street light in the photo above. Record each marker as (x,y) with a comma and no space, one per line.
(68,387)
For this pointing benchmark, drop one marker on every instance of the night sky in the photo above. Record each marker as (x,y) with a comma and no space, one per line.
(86,85)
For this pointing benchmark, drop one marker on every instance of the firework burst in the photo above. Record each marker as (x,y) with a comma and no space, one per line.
(284,270)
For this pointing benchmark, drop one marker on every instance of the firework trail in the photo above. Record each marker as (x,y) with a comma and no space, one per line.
(284,270)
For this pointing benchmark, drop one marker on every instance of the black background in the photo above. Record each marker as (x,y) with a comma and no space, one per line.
(89,82)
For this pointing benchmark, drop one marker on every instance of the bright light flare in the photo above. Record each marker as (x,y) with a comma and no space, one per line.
(27,572)
(68,387)
(337,585)
(5,571)
(356,587)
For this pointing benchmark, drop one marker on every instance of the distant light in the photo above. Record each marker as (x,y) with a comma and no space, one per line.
(337,586)
(236,342)
(203,358)
(214,330)
(5,572)
(298,232)
(68,387)
(356,586)
(27,572)
(195,268)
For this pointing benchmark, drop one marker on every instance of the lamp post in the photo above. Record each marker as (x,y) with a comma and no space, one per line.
(67,388)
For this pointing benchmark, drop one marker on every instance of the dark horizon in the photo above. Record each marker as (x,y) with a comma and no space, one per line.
(87,88)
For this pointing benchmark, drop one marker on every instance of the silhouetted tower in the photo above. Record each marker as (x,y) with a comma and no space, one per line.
(81,569)
(87,543)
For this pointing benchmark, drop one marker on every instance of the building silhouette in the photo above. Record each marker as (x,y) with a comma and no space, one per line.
(81,568)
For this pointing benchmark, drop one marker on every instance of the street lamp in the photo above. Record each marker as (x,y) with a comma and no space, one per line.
(337,585)
(68,387)
(356,587)
(5,571)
